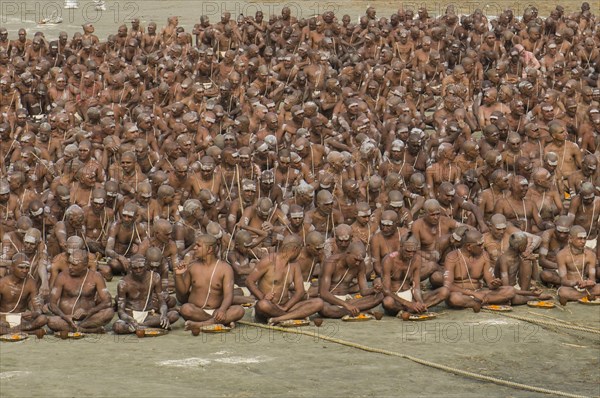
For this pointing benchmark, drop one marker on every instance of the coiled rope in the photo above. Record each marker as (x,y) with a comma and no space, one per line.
(434,365)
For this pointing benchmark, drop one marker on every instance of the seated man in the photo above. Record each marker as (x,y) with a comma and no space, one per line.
(124,237)
(264,216)
(36,253)
(243,258)
(12,242)
(20,308)
(466,270)
(162,232)
(401,282)
(515,270)
(270,283)
(340,270)
(310,260)
(155,263)
(205,285)
(553,241)
(60,262)
(496,241)
(387,240)
(79,299)
(429,230)
(141,300)
(577,269)
(340,242)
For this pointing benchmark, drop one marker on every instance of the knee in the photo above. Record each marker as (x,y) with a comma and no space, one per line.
(56,323)
(443,292)
(171,302)
(388,302)
(238,312)
(42,320)
(454,299)
(328,310)
(319,304)
(121,327)
(115,266)
(508,291)
(106,272)
(173,316)
(263,305)
(549,277)
(106,315)
(186,311)
(436,278)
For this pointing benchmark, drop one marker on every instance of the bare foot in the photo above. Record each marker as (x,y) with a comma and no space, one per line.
(98,330)
(191,325)
(477,306)
(562,300)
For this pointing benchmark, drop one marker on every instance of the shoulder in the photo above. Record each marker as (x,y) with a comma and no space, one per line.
(31,284)
(333,260)
(452,256)
(62,278)
(97,277)
(589,253)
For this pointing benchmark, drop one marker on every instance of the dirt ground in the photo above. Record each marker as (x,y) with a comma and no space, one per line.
(248,361)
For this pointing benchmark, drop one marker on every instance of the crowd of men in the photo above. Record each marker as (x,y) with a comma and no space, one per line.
(300,166)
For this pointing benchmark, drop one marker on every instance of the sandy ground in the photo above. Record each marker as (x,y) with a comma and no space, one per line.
(249,362)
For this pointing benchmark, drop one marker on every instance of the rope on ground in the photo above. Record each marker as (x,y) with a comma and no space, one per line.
(547,323)
(434,365)
(562,321)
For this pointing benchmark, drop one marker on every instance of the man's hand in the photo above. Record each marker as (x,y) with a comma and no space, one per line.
(417,307)
(377,287)
(113,148)
(134,323)
(354,311)
(164,321)
(79,314)
(70,321)
(496,283)
(269,296)
(44,289)
(267,226)
(586,283)
(219,315)
(180,268)
(124,262)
